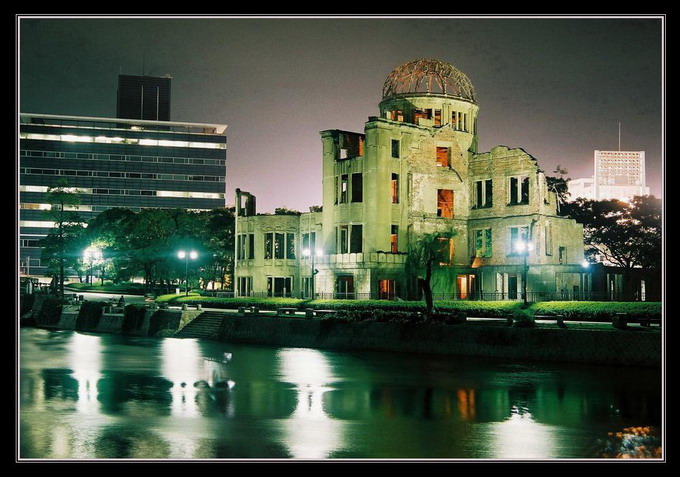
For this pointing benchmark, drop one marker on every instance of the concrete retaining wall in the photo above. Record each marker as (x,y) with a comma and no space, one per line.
(632,347)
(155,322)
(613,347)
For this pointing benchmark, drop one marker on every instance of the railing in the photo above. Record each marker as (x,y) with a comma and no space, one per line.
(484,296)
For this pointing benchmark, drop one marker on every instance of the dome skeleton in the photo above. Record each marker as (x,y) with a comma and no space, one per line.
(410,77)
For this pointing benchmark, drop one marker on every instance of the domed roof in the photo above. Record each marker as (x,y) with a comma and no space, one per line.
(428,76)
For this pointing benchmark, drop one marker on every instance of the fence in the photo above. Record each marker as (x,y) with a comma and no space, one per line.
(483,296)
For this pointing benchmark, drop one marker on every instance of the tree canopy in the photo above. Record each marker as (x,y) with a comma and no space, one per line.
(146,244)
(428,251)
(626,234)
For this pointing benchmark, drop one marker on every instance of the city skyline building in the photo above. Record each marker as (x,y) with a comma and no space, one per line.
(114,162)
(616,175)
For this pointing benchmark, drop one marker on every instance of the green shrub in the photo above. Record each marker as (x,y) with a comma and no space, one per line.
(89,315)
(523,318)
(128,288)
(450,317)
(597,310)
(480,309)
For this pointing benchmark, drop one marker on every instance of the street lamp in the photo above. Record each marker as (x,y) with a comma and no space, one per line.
(308,253)
(92,253)
(186,256)
(524,247)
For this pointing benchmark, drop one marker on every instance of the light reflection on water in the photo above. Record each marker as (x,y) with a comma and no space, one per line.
(108,396)
(311,432)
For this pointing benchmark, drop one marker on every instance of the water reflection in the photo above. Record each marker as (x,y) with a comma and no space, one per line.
(310,432)
(521,437)
(85,360)
(86,396)
(182,367)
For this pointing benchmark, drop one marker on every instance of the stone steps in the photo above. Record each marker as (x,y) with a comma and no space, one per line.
(205,325)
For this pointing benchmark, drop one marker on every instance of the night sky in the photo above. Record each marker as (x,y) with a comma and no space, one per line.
(555,87)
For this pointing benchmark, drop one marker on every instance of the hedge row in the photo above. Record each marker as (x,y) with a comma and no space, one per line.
(597,310)
(488,309)
(131,288)
(588,311)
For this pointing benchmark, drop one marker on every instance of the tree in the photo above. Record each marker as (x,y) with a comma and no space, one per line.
(429,251)
(216,234)
(559,185)
(61,242)
(107,231)
(147,240)
(627,235)
(286,211)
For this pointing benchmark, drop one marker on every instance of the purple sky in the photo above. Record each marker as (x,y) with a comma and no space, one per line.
(555,87)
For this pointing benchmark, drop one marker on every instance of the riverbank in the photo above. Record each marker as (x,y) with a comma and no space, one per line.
(631,346)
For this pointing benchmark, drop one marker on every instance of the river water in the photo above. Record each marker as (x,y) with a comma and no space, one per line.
(89,396)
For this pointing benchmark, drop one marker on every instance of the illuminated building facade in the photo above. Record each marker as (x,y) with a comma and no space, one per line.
(617,175)
(115,162)
(416,170)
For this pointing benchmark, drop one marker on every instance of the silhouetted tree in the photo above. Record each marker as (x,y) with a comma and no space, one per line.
(428,251)
(625,234)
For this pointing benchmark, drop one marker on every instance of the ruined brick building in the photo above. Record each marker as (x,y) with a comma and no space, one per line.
(414,170)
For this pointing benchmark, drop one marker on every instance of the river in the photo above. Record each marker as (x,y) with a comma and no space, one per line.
(89,396)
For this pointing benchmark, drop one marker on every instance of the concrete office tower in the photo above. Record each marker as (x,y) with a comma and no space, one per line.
(619,175)
(115,162)
(414,170)
(143,97)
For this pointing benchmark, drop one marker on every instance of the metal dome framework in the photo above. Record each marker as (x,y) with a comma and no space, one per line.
(427,75)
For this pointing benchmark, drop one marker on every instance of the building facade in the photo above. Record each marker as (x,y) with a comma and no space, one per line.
(416,170)
(617,175)
(114,162)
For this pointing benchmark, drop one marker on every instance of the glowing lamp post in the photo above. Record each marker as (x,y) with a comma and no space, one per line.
(92,254)
(182,254)
(308,253)
(523,248)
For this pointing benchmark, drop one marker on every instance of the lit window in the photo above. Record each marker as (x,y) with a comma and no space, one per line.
(386,289)
(443,157)
(43,224)
(394,239)
(395,188)
(445,203)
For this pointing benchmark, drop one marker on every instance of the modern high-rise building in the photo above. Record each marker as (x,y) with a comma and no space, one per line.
(414,171)
(143,97)
(115,162)
(617,175)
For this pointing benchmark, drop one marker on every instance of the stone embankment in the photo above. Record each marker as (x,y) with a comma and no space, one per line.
(627,347)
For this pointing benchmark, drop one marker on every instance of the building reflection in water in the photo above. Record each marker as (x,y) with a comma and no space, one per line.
(310,432)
